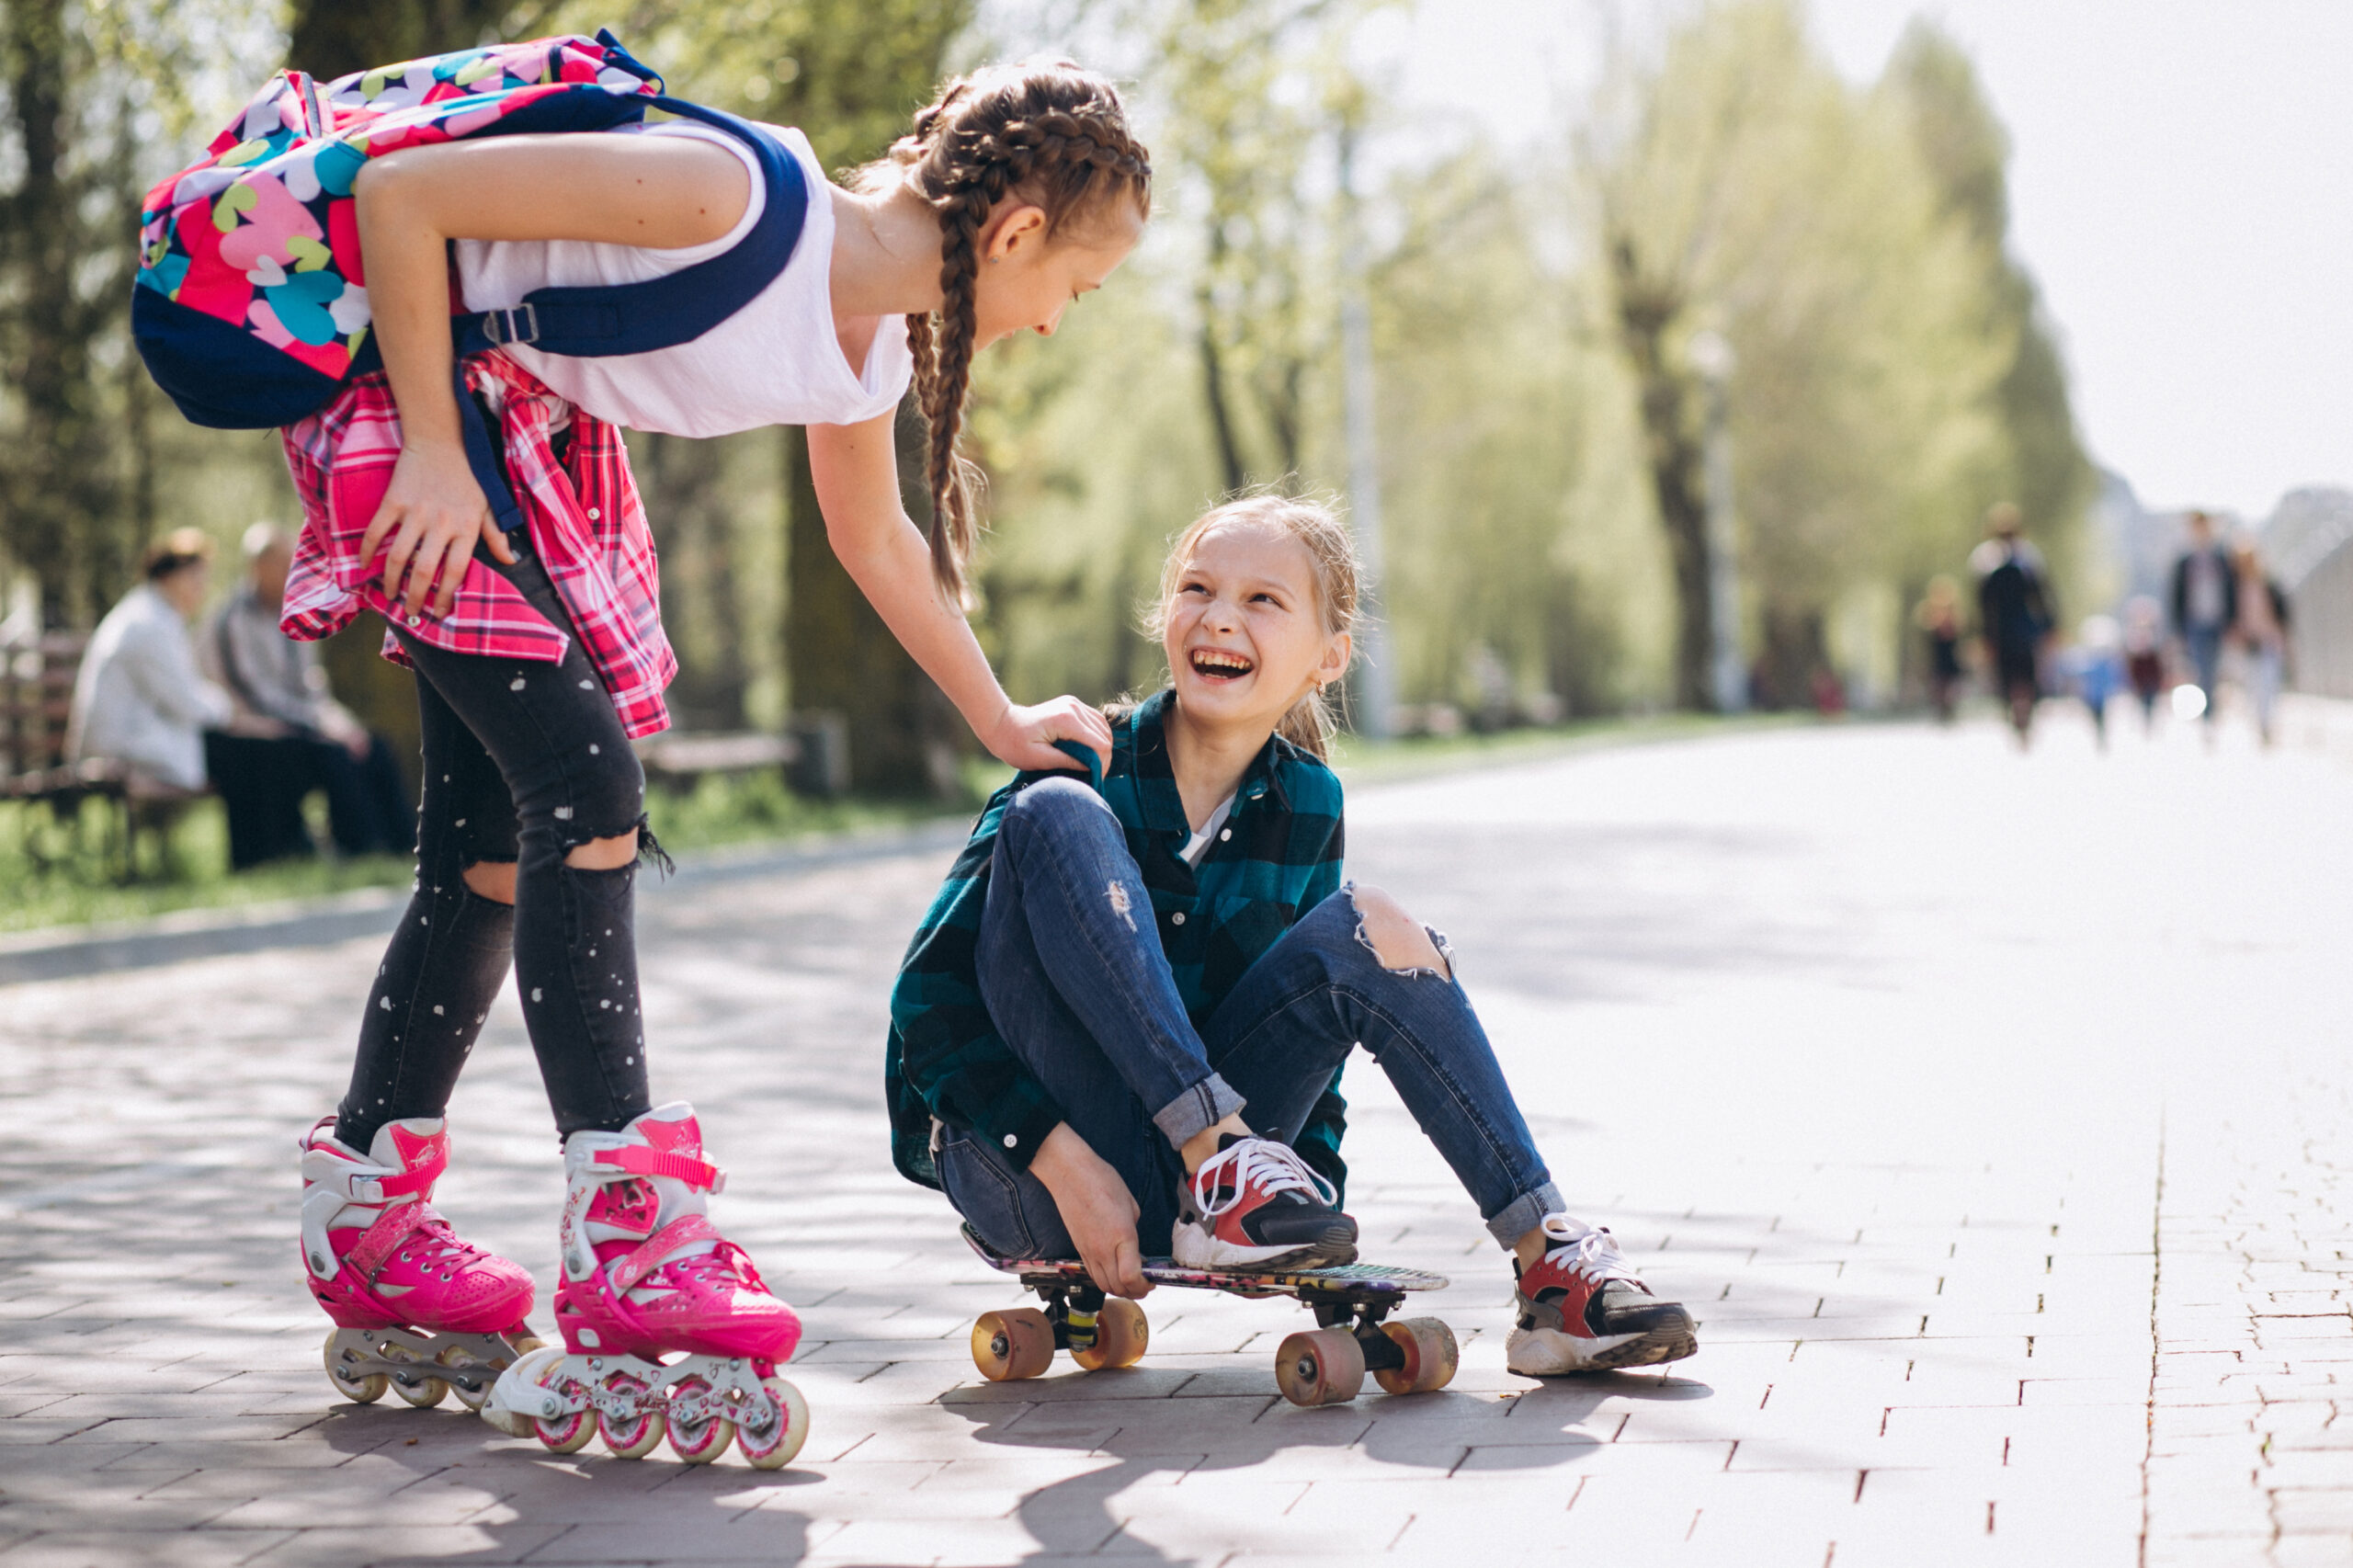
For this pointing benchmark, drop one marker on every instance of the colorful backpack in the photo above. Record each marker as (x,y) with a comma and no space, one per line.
(251,302)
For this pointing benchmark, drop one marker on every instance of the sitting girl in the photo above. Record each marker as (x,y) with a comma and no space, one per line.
(1115,976)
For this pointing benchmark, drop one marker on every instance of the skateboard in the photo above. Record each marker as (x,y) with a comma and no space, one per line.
(1353,1335)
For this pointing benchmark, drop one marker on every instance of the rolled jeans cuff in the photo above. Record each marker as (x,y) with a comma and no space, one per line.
(1203,1106)
(1524,1213)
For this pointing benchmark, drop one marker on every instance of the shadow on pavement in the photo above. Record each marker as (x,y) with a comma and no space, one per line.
(1159,1440)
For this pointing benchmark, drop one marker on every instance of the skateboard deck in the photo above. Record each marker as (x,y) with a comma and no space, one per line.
(1333,1281)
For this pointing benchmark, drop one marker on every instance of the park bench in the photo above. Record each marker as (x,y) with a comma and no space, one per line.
(37,677)
(813,756)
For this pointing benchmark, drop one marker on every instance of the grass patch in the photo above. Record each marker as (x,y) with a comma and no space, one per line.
(72,872)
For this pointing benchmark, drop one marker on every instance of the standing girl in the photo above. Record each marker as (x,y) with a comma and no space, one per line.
(539,654)
(1119,1031)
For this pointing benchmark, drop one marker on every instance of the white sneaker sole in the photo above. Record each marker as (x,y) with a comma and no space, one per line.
(1189,1246)
(1548,1353)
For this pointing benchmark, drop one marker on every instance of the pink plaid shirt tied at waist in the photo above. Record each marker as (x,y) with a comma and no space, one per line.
(585,521)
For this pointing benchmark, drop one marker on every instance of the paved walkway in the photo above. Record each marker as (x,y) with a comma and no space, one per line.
(1992,1112)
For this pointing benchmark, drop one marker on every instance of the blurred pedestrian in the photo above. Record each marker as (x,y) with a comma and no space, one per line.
(2016,611)
(140,698)
(2144,655)
(1939,618)
(2096,669)
(287,736)
(2260,628)
(2205,599)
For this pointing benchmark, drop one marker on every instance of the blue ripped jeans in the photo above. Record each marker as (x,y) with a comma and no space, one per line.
(1083,994)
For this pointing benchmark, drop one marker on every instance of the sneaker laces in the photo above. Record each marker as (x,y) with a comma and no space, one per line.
(1262,1162)
(1592,1254)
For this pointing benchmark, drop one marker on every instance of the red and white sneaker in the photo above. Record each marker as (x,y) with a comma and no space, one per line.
(1581,1308)
(1256,1204)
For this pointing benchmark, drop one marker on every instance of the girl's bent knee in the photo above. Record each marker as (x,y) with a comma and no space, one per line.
(493,879)
(1400,944)
(1059,805)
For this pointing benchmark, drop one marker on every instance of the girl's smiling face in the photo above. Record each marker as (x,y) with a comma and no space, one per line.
(1245,632)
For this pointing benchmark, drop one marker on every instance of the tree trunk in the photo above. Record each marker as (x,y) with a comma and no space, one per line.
(1228,450)
(841,658)
(682,481)
(59,477)
(333,38)
(1646,309)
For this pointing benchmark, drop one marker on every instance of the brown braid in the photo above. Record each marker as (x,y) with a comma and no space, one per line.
(1049,134)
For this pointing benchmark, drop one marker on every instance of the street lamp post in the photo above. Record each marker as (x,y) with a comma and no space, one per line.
(1712,356)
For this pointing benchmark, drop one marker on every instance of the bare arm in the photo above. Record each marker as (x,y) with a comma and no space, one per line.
(658,191)
(856,476)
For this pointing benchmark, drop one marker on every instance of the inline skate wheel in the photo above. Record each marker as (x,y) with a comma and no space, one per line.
(636,1435)
(698,1442)
(567,1434)
(1322,1366)
(1013,1345)
(775,1446)
(419,1392)
(1121,1332)
(1431,1356)
(361,1388)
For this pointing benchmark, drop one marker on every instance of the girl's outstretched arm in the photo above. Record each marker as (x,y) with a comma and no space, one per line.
(658,191)
(857,474)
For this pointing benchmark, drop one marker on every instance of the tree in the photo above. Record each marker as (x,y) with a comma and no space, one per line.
(1966,153)
(73,475)
(1739,183)
(333,38)
(1247,83)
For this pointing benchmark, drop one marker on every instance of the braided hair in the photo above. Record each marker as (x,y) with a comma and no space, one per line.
(1049,134)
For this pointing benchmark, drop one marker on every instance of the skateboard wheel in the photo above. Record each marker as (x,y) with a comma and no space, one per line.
(343,1365)
(1121,1332)
(1323,1367)
(1430,1355)
(774,1447)
(1011,1344)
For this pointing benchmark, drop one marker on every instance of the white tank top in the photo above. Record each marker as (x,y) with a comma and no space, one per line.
(775,361)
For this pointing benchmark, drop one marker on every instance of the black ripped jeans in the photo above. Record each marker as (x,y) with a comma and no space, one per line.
(523,763)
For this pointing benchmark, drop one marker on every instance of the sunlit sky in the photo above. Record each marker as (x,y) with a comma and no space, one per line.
(2181,186)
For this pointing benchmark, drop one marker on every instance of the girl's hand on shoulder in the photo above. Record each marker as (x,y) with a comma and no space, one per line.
(1024,737)
(1097,1209)
(433,513)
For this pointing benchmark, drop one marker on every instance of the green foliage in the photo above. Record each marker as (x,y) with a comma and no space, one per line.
(1892,381)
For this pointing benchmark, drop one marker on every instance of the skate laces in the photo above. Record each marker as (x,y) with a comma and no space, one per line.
(435,1242)
(1262,1162)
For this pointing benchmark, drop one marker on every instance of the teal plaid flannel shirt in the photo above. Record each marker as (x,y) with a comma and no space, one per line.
(1282,858)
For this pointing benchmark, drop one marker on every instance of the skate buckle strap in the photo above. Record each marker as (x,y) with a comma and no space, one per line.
(638,1160)
(659,1248)
(391,1228)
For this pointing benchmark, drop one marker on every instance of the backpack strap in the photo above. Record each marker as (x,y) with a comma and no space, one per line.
(601,321)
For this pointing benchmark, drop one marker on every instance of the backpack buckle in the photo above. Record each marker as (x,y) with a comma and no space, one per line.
(520,324)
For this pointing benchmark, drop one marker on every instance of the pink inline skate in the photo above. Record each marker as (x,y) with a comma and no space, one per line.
(415,1307)
(646,1276)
